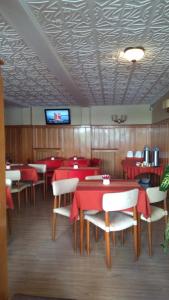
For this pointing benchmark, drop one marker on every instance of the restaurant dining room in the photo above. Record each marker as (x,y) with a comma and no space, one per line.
(84,156)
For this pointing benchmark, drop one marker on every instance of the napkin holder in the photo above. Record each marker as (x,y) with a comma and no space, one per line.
(75,166)
(74,158)
(106,179)
(52,158)
(8,167)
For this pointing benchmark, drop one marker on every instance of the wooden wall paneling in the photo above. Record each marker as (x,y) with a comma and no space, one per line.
(108,158)
(160,138)
(26,151)
(13,142)
(43,153)
(76,140)
(3,233)
(46,137)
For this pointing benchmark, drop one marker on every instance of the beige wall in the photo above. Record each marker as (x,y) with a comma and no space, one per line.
(96,115)
(158,112)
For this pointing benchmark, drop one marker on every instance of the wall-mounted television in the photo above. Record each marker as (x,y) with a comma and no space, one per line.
(58,116)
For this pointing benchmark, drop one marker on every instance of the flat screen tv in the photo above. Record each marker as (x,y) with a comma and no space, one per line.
(57,116)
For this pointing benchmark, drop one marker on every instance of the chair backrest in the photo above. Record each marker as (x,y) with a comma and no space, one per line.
(120,201)
(14,175)
(130,154)
(8,182)
(155,195)
(64,186)
(94,177)
(41,168)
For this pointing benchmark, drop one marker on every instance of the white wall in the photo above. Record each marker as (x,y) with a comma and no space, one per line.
(17,116)
(96,115)
(158,113)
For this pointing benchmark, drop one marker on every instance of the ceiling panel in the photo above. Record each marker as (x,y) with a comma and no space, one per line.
(73,54)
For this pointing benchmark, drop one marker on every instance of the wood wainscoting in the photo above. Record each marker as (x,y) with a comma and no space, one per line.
(108,160)
(110,143)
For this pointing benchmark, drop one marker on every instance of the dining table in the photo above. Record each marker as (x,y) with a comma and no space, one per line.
(80,161)
(70,172)
(27,173)
(131,170)
(89,194)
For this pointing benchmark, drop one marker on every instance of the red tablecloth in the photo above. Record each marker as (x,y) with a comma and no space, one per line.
(131,170)
(50,164)
(9,200)
(81,173)
(88,196)
(82,162)
(27,173)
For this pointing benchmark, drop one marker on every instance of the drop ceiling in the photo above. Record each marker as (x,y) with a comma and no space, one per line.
(70,52)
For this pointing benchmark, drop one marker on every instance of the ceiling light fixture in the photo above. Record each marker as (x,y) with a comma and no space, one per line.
(134,54)
(119,119)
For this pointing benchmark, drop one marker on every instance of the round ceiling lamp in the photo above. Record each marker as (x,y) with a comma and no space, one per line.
(134,53)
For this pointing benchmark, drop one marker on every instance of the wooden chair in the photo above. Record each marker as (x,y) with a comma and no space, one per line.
(60,188)
(16,185)
(111,220)
(157,213)
(41,170)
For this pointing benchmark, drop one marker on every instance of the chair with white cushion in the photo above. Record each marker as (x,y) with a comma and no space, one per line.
(111,220)
(41,170)
(157,213)
(62,187)
(94,177)
(13,178)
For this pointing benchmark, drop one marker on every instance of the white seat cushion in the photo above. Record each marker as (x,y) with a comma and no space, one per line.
(91,212)
(119,221)
(64,211)
(157,213)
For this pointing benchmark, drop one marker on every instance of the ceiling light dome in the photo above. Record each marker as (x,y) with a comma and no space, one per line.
(134,53)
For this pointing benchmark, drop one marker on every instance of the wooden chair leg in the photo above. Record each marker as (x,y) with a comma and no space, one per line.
(96,233)
(139,235)
(19,201)
(26,196)
(33,194)
(122,237)
(88,237)
(54,226)
(108,255)
(135,238)
(149,238)
(75,235)
(44,191)
(81,231)
(166,219)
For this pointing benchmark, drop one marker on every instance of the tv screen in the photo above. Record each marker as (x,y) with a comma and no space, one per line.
(57,116)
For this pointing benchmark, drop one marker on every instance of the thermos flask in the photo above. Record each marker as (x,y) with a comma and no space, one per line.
(146,155)
(155,160)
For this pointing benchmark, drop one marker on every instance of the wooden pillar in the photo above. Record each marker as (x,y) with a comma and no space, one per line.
(3,235)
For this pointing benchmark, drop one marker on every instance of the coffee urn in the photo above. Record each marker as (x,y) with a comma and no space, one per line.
(146,153)
(155,158)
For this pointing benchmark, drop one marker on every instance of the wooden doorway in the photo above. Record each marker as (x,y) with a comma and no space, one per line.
(3,235)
